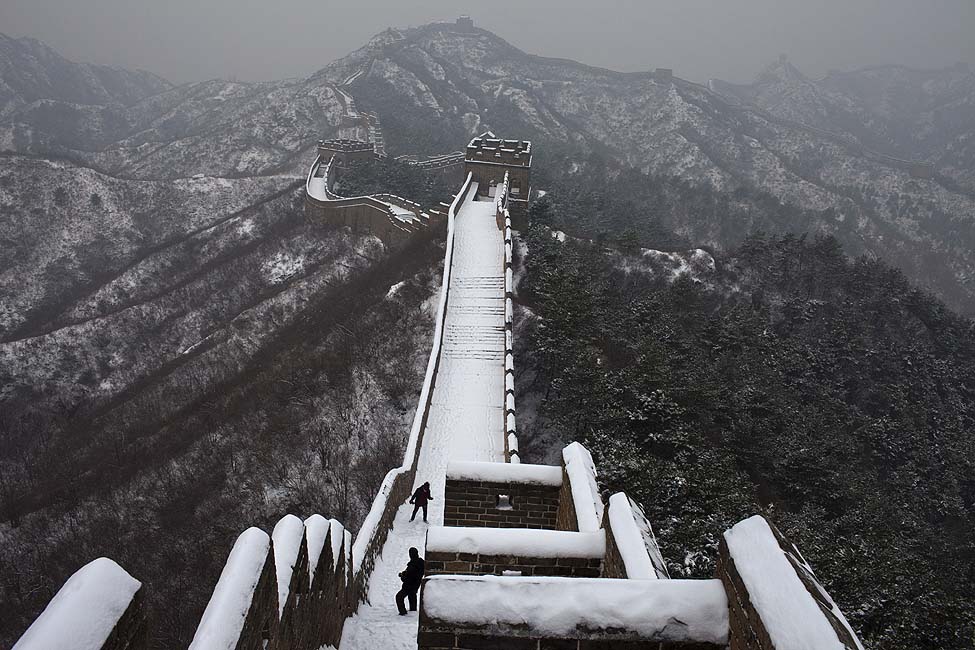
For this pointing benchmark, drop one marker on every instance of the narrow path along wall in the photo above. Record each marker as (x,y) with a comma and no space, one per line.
(466,415)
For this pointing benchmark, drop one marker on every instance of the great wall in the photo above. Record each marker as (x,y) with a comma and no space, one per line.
(518,556)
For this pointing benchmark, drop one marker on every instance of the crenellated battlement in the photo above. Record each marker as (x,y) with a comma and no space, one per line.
(494,161)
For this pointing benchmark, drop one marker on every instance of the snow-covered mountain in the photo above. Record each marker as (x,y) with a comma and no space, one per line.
(434,85)
(184,340)
(31,72)
(158,280)
(925,115)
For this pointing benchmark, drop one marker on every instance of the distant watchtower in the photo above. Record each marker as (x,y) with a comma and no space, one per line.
(488,158)
(465,24)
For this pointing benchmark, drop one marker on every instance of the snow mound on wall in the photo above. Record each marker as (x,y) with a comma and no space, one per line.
(318,530)
(635,539)
(585,493)
(788,611)
(505,473)
(516,541)
(223,619)
(660,610)
(286,539)
(85,610)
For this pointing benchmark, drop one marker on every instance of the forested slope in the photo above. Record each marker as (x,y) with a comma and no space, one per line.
(786,377)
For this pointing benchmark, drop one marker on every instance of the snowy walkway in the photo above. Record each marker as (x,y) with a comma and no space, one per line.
(466,418)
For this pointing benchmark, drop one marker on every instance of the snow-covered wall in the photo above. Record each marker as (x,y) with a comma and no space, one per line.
(245,600)
(775,601)
(580,505)
(398,483)
(510,430)
(389,217)
(504,473)
(630,538)
(99,607)
(514,551)
(502,495)
(328,600)
(504,611)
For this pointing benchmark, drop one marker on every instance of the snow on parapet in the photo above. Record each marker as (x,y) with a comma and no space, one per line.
(83,613)
(582,481)
(522,542)
(318,530)
(223,619)
(658,610)
(286,539)
(788,611)
(316,533)
(635,539)
(347,548)
(505,473)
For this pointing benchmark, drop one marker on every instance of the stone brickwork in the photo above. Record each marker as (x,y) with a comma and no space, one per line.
(472,639)
(290,623)
(565,518)
(322,607)
(481,564)
(346,149)
(747,631)
(131,632)
(486,612)
(475,503)
(745,628)
(613,565)
(260,624)
(489,159)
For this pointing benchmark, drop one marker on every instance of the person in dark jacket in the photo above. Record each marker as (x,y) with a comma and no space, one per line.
(420,498)
(411,577)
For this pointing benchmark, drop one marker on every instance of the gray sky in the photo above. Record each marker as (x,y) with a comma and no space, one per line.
(187,40)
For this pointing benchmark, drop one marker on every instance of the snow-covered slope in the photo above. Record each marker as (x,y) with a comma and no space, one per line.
(914,114)
(30,71)
(467,82)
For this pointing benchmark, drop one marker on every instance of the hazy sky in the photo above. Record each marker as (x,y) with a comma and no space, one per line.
(187,40)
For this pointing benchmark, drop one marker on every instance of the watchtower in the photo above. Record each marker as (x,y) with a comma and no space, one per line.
(488,158)
(465,24)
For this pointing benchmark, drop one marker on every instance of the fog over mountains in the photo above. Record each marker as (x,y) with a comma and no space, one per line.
(840,149)
(164,305)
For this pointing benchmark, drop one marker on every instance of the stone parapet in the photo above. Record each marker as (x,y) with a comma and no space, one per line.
(500,505)
(100,607)
(773,596)
(487,612)
(486,551)
(438,562)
